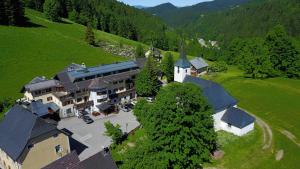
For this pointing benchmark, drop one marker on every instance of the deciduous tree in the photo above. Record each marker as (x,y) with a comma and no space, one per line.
(89,35)
(114,132)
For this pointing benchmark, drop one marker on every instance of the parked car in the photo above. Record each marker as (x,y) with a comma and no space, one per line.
(87,119)
(150,99)
(130,106)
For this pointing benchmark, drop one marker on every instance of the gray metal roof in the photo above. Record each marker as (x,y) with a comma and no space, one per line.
(18,127)
(237,117)
(216,95)
(42,85)
(101,69)
(199,63)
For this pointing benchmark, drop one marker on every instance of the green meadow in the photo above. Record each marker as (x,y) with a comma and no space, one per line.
(277,102)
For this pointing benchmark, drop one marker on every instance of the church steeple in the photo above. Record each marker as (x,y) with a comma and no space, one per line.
(182,67)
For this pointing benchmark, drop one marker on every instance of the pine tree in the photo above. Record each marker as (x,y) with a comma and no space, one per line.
(168,66)
(51,10)
(89,35)
(146,81)
(3,15)
(14,12)
(139,52)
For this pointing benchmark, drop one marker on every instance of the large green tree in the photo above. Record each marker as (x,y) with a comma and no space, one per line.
(180,129)
(146,83)
(283,53)
(52,9)
(256,60)
(167,66)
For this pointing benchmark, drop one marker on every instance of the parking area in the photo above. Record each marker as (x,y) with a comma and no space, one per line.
(92,136)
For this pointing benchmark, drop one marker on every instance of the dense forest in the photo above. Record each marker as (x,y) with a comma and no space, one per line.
(249,20)
(175,16)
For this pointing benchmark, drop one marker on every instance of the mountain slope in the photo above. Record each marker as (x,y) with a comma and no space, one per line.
(254,19)
(114,17)
(180,16)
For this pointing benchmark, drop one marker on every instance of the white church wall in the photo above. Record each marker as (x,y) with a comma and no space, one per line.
(235,130)
(180,73)
(217,119)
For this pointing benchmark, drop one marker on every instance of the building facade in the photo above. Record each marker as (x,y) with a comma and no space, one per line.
(77,88)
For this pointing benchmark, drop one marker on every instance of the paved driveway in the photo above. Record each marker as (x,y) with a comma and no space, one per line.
(92,135)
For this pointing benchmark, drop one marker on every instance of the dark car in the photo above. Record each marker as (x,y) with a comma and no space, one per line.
(87,119)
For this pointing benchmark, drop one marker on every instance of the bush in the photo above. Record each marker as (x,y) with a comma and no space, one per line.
(220,66)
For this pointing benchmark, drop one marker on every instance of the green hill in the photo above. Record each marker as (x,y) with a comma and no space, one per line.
(45,49)
(249,20)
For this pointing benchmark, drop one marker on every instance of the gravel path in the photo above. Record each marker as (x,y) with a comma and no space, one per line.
(267,131)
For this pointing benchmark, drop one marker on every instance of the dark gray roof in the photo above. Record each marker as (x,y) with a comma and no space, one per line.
(101,160)
(199,63)
(18,128)
(104,106)
(183,61)
(91,71)
(237,117)
(69,161)
(216,95)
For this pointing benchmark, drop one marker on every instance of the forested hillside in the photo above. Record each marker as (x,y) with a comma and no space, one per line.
(112,17)
(249,20)
(180,16)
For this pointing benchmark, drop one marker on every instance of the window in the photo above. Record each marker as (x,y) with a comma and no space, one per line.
(79,99)
(121,81)
(101,93)
(115,82)
(49,98)
(101,100)
(185,70)
(48,90)
(58,149)
(69,111)
(121,88)
(178,69)
(229,125)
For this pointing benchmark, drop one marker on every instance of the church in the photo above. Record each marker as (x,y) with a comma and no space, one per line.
(227,116)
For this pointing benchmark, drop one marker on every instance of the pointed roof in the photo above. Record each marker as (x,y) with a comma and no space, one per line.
(183,62)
